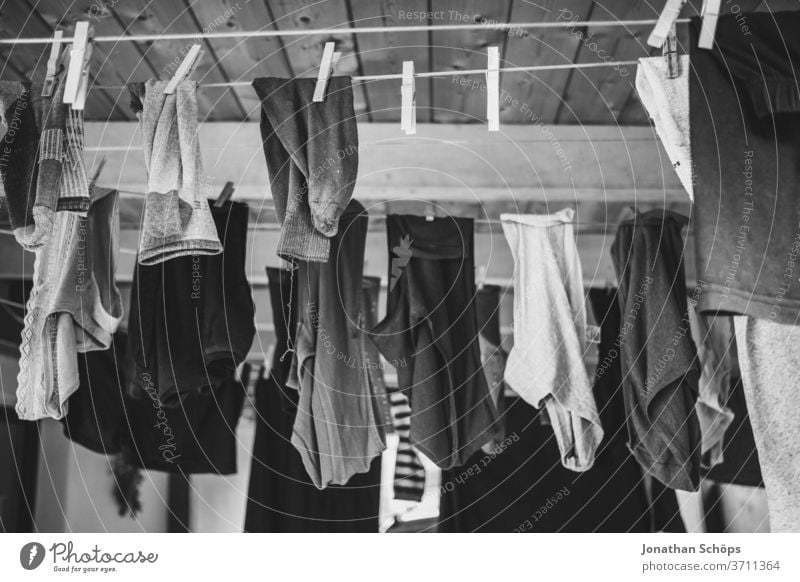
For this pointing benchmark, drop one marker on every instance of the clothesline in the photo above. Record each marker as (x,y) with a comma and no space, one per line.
(498,26)
(430,74)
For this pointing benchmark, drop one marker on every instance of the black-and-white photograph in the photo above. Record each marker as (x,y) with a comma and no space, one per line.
(400,266)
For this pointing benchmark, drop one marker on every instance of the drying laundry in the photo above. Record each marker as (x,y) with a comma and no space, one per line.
(769,363)
(545,366)
(74,306)
(667,102)
(197,437)
(714,337)
(431,333)
(281,496)
(62,182)
(745,119)
(177,221)
(659,358)
(409,472)
(493,357)
(20,107)
(312,158)
(371,288)
(192,318)
(337,428)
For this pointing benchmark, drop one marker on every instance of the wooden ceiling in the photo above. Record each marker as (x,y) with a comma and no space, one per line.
(589,96)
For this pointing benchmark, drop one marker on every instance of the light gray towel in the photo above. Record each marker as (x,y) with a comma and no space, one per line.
(667,102)
(177,218)
(769,360)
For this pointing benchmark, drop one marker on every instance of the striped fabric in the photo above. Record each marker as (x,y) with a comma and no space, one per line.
(74,193)
(409,474)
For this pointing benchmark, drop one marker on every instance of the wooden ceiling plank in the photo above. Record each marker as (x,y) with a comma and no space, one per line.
(156,16)
(463,99)
(17,21)
(385,53)
(598,96)
(304,53)
(536,97)
(633,112)
(242,59)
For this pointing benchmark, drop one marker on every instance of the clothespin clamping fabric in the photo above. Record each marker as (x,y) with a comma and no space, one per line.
(670,52)
(225,195)
(408,112)
(665,23)
(185,69)
(711,10)
(326,67)
(493,89)
(53,64)
(77,83)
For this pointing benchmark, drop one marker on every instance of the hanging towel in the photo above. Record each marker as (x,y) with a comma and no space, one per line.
(667,102)
(312,159)
(74,306)
(177,220)
(770,364)
(545,366)
(31,219)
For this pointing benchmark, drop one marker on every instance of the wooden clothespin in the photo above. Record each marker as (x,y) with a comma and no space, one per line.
(666,22)
(493,89)
(77,83)
(225,195)
(670,52)
(329,60)
(711,10)
(408,112)
(185,69)
(53,64)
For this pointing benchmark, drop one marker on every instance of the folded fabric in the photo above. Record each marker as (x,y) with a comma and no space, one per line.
(177,221)
(659,359)
(312,158)
(770,364)
(667,102)
(545,366)
(31,218)
(192,317)
(745,119)
(74,306)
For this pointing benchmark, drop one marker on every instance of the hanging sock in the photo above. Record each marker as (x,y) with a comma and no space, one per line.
(177,219)
(312,158)
(30,205)
(409,474)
